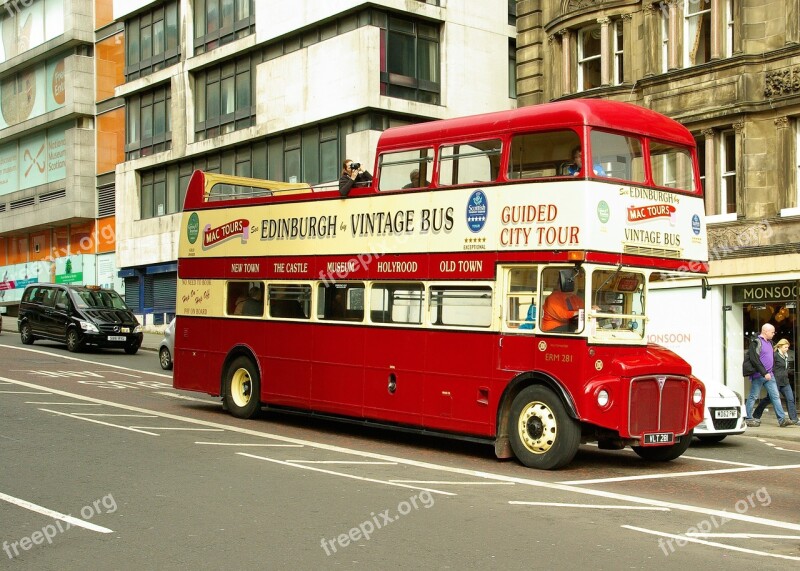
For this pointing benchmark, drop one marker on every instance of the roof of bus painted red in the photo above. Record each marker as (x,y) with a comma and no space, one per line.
(612,115)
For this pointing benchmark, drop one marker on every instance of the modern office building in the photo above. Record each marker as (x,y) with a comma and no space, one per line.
(282,90)
(61,137)
(730,71)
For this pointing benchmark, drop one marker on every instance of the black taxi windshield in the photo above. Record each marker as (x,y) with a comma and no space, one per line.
(99,299)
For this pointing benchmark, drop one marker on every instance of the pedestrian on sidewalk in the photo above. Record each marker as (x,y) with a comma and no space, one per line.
(762,360)
(781,370)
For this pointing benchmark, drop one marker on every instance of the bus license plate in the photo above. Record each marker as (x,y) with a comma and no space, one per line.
(657,438)
(726,413)
(116,338)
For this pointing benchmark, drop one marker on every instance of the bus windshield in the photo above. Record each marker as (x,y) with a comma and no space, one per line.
(618,302)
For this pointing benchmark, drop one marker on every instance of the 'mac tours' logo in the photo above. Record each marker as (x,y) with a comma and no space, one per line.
(214,236)
(638,213)
(477,209)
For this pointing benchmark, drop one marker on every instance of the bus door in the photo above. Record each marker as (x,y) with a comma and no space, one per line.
(516,346)
(394,355)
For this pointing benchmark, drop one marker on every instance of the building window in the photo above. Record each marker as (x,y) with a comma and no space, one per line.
(728,173)
(589,63)
(728,28)
(159,192)
(148,123)
(219,22)
(696,32)
(664,42)
(512,12)
(619,56)
(700,143)
(152,41)
(225,97)
(512,69)
(410,60)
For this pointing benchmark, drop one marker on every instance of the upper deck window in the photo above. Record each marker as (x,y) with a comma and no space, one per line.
(538,155)
(620,156)
(406,169)
(469,162)
(672,166)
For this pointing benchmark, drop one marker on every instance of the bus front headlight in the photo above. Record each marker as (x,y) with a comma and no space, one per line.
(697,396)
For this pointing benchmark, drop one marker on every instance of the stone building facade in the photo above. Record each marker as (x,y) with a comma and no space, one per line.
(729,70)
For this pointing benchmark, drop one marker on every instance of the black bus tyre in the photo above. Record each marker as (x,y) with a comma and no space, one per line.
(26,334)
(73,341)
(242,394)
(542,433)
(664,453)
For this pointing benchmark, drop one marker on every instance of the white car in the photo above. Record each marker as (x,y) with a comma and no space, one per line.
(724,414)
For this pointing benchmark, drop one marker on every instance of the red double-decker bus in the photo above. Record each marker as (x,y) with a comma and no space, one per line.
(490,283)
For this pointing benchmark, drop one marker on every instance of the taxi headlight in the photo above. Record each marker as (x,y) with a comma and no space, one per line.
(89,327)
(137,329)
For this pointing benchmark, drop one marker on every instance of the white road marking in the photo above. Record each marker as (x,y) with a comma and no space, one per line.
(25,393)
(179,428)
(454,483)
(246,444)
(63,403)
(81,360)
(54,514)
(104,414)
(589,506)
(177,396)
(351,476)
(743,535)
(711,543)
(341,462)
(678,474)
(719,461)
(98,422)
(438,467)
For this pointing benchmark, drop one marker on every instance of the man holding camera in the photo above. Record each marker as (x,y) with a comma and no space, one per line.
(352,175)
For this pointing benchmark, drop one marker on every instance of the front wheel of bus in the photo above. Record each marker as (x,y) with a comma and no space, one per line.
(543,435)
(242,388)
(664,453)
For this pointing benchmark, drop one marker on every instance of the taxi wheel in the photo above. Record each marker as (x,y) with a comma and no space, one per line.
(242,395)
(26,334)
(73,341)
(542,433)
(664,453)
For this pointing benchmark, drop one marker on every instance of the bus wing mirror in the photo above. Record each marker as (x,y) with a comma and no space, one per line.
(704,287)
(566,280)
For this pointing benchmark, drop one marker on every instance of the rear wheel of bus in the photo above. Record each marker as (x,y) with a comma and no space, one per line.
(242,389)
(542,433)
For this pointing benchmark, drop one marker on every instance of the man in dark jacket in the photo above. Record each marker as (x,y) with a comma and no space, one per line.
(761,358)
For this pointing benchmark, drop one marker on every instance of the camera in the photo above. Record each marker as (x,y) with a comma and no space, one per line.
(355,166)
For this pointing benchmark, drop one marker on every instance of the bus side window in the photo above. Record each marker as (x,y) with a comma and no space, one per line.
(469,162)
(396,303)
(289,300)
(521,299)
(342,302)
(540,155)
(461,306)
(405,169)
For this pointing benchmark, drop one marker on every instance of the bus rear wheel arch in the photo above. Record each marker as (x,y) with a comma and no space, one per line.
(242,388)
(542,433)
